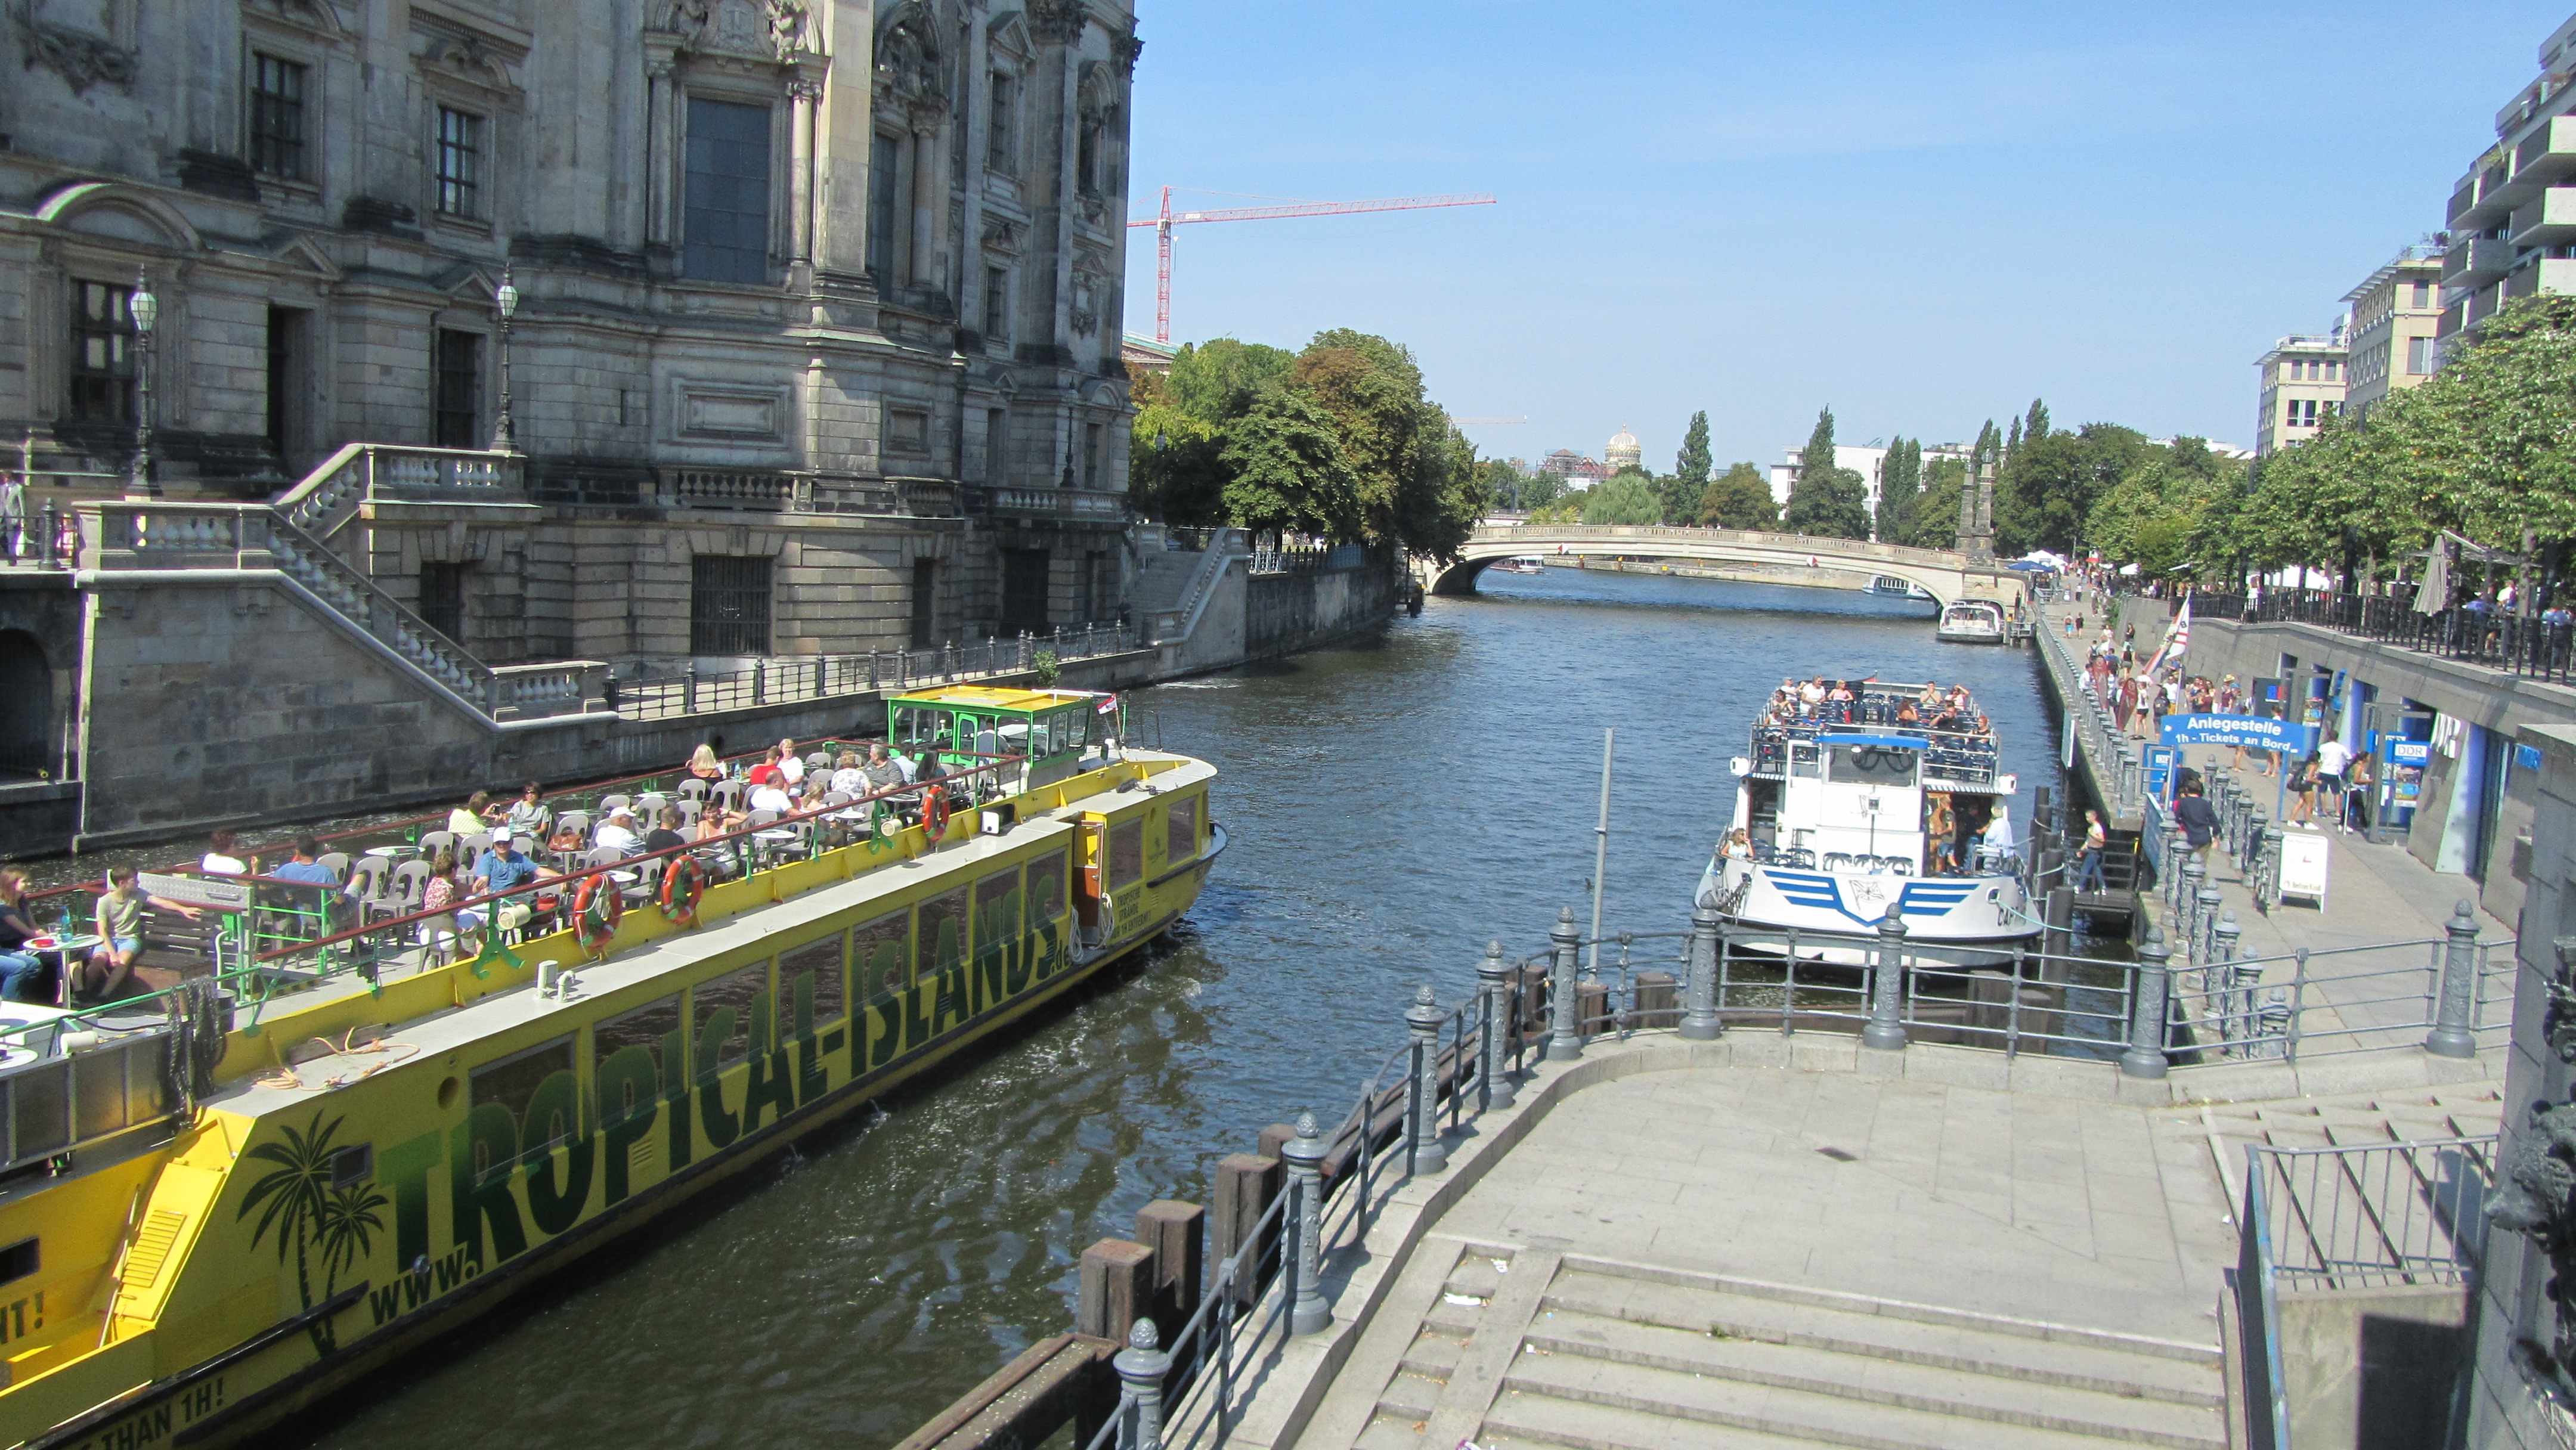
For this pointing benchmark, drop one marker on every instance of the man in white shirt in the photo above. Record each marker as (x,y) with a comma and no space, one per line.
(618,833)
(767,797)
(2334,758)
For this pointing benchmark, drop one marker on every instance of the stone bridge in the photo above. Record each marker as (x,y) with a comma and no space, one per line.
(1944,574)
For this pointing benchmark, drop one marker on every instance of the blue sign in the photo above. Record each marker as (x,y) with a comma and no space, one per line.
(2405,752)
(2260,732)
(2526,757)
(2160,764)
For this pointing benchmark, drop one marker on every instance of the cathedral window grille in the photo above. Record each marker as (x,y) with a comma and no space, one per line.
(277,117)
(102,371)
(727,193)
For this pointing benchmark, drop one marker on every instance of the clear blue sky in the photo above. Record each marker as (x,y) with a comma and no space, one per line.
(1924,215)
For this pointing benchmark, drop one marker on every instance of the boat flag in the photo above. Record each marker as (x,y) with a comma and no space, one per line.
(1108,704)
(2177,638)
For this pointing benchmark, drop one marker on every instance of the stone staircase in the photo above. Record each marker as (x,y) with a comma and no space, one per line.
(1528,1350)
(2414,1115)
(1164,579)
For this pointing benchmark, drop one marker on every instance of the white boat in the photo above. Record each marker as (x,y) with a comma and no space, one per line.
(1971,621)
(1523,564)
(1838,822)
(1889,586)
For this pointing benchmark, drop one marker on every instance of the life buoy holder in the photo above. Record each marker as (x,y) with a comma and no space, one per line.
(597,908)
(684,885)
(934,813)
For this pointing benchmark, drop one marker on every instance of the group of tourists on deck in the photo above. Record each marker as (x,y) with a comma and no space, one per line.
(1823,701)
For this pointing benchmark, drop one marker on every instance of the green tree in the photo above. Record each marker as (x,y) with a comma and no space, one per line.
(1414,473)
(1826,499)
(1690,468)
(1626,497)
(1935,524)
(1285,471)
(1216,381)
(1900,482)
(1541,489)
(1739,498)
(1502,483)
(1172,469)
(2012,442)
(2044,496)
(2035,423)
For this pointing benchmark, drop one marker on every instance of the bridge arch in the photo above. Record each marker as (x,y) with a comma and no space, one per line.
(1944,575)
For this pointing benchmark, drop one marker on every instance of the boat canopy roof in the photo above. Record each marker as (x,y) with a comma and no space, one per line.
(1884,742)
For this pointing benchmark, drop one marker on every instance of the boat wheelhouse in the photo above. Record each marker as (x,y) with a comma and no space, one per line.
(1971,621)
(1848,810)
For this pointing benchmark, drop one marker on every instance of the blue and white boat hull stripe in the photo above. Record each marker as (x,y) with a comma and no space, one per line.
(1938,908)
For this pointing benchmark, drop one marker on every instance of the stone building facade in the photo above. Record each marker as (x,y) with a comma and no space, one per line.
(816,337)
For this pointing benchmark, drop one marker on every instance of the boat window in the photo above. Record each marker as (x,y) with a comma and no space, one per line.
(1181,830)
(1874,765)
(997,911)
(19,1260)
(941,940)
(651,1031)
(720,1013)
(1806,760)
(514,1083)
(878,952)
(1047,875)
(809,985)
(1126,852)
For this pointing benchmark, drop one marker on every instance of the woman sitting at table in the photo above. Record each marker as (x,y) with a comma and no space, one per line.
(440,893)
(223,856)
(110,964)
(704,765)
(22,972)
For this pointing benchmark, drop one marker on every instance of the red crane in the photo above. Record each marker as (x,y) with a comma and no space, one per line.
(1168,219)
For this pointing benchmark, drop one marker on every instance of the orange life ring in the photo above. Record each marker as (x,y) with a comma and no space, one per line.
(596,909)
(934,813)
(684,885)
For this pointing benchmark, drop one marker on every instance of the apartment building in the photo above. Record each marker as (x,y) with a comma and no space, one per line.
(2303,380)
(2396,323)
(2512,218)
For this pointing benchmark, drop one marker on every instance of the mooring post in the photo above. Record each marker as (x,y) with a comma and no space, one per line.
(2250,850)
(1700,1021)
(2148,1009)
(1494,1087)
(2187,903)
(2211,903)
(1141,1367)
(1305,1155)
(2175,846)
(1562,1043)
(1424,1017)
(2451,1036)
(1885,1031)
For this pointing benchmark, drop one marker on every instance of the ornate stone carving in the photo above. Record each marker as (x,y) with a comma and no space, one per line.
(909,70)
(81,59)
(1127,48)
(1058,22)
(1001,234)
(757,29)
(2537,1198)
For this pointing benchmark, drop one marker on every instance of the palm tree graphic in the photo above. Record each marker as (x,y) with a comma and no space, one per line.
(298,1200)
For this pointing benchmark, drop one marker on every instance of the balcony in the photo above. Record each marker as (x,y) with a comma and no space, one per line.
(2476,261)
(2542,274)
(2547,156)
(1076,504)
(2547,221)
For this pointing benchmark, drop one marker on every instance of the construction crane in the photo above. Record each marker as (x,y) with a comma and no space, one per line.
(1167,219)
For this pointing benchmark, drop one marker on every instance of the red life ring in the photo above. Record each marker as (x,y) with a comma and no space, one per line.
(934,813)
(684,885)
(596,909)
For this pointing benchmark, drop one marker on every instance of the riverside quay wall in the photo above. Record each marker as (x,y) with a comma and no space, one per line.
(2474,808)
(158,702)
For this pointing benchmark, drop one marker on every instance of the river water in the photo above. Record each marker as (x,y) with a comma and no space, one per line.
(1391,809)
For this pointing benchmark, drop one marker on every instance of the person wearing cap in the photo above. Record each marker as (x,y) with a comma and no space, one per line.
(617,833)
(503,867)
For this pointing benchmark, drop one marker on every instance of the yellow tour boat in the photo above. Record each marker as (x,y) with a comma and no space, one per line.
(324,1147)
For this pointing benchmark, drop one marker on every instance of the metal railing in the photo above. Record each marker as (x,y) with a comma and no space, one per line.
(2367,1216)
(673,691)
(332,494)
(2119,777)
(2493,637)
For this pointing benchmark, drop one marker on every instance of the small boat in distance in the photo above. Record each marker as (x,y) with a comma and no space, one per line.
(1891,799)
(1971,621)
(1891,587)
(1523,564)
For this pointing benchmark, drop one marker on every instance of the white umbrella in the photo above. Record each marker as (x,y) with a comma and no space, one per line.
(2434,594)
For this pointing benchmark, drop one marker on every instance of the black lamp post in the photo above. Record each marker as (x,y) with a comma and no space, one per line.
(146,311)
(505,301)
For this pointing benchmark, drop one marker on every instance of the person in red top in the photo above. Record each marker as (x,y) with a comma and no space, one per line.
(767,772)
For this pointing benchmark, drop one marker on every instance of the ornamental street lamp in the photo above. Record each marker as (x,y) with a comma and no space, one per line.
(505,300)
(145,309)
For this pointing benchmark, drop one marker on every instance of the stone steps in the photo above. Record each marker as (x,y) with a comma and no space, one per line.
(1621,1357)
